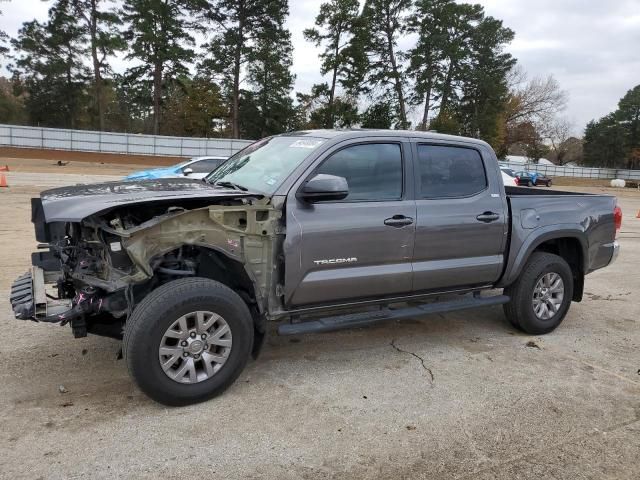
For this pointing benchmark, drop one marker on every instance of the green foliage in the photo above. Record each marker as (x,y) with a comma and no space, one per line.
(455,72)
(269,73)
(248,41)
(11,103)
(314,110)
(382,24)
(614,140)
(484,89)
(49,63)
(193,108)
(101,28)
(378,115)
(334,27)
(159,35)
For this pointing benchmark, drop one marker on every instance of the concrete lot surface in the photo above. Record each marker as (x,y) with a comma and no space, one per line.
(444,396)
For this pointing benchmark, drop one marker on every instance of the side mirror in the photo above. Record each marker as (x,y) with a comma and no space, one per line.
(187,171)
(322,188)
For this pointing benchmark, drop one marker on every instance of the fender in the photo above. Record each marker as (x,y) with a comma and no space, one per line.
(517,258)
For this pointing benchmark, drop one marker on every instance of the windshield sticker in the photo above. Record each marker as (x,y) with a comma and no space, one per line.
(306,143)
(271,181)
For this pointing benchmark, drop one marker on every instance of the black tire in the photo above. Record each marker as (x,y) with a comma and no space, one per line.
(529,183)
(519,311)
(549,183)
(158,311)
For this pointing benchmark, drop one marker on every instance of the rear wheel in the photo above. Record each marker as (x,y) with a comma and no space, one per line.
(548,183)
(529,183)
(188,341)
(541,296)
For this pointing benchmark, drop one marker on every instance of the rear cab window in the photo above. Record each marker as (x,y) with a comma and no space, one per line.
(450,171)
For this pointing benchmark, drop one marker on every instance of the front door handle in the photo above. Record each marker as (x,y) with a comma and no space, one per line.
(398,221)
(488,217)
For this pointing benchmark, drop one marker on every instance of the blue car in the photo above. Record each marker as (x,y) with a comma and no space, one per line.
(197,168)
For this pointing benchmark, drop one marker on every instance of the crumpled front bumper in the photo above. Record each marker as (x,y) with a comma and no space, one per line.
(29,300)
(22,297)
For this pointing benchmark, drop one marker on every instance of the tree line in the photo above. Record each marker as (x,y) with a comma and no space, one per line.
(223,68)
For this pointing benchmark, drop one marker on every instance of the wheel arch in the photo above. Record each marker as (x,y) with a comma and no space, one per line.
(216,264)
(569,244)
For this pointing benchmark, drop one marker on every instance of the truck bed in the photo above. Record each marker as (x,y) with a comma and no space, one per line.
(537,214)
(526,191)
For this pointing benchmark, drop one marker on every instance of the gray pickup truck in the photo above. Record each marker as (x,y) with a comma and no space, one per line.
(319,230)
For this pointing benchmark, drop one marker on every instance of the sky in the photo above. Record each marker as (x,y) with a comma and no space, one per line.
(592,47)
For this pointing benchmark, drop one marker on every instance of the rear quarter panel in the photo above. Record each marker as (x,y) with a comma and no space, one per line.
(539,218)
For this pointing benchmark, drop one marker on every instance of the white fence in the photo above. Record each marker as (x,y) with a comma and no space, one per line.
(124,143)
(567,171)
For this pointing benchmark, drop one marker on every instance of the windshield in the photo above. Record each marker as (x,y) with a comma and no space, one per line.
(264,165)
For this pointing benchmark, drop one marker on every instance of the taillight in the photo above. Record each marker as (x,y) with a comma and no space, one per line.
(617,218)
(517,181)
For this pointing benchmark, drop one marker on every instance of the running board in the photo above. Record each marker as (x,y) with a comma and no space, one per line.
(352,320)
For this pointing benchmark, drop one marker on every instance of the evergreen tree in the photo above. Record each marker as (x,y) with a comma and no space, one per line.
(429,22)
(614,140)
(313,109)
(4,48)
(334,27)
(484,90)
(193,108)
(49,60)
(101,28)
(378,115)
(269,71)
(383,22)
(249,42)
(159,34)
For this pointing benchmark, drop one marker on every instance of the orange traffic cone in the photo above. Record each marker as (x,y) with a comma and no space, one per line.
(3,180)
(4,169)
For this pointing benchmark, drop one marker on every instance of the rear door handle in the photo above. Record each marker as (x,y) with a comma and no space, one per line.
(398,221)
(488,217)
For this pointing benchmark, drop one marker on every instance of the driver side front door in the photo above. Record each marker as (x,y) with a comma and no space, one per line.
(360,247)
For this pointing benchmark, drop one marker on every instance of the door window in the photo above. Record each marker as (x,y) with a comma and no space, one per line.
(450,171)
(373,171)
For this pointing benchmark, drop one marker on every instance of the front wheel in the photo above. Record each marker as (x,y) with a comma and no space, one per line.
(549,183)
(529,183)
(188,341)
(541,296)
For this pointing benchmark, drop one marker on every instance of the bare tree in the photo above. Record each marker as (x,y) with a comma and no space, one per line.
(535,102)
(557,132)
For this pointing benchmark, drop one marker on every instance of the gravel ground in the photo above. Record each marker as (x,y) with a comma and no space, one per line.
(444,396)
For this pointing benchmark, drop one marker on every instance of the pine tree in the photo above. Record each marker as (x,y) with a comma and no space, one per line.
(614,140)
(484,89)
(49,60)
(383,22)
(334,27)
(429,22)
(269,71)
(4,49)
(159,34)
(250,43)
(233,33)
(101,27)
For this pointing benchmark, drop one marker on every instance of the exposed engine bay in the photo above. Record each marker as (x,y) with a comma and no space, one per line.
(91,273)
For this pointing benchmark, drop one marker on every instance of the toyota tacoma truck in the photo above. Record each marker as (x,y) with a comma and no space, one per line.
(318,230)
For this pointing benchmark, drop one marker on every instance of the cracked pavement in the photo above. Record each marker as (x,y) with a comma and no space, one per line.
(343,404)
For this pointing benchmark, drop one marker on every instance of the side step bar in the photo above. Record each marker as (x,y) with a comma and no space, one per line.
(338,322)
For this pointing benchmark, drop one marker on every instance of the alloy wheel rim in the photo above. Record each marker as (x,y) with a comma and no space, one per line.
(548,295)
(195,347)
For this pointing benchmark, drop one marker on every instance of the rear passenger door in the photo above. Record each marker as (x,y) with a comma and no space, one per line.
(359,247)
(461,229)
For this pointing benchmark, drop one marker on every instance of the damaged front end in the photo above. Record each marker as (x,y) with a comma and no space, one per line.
(99,258)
